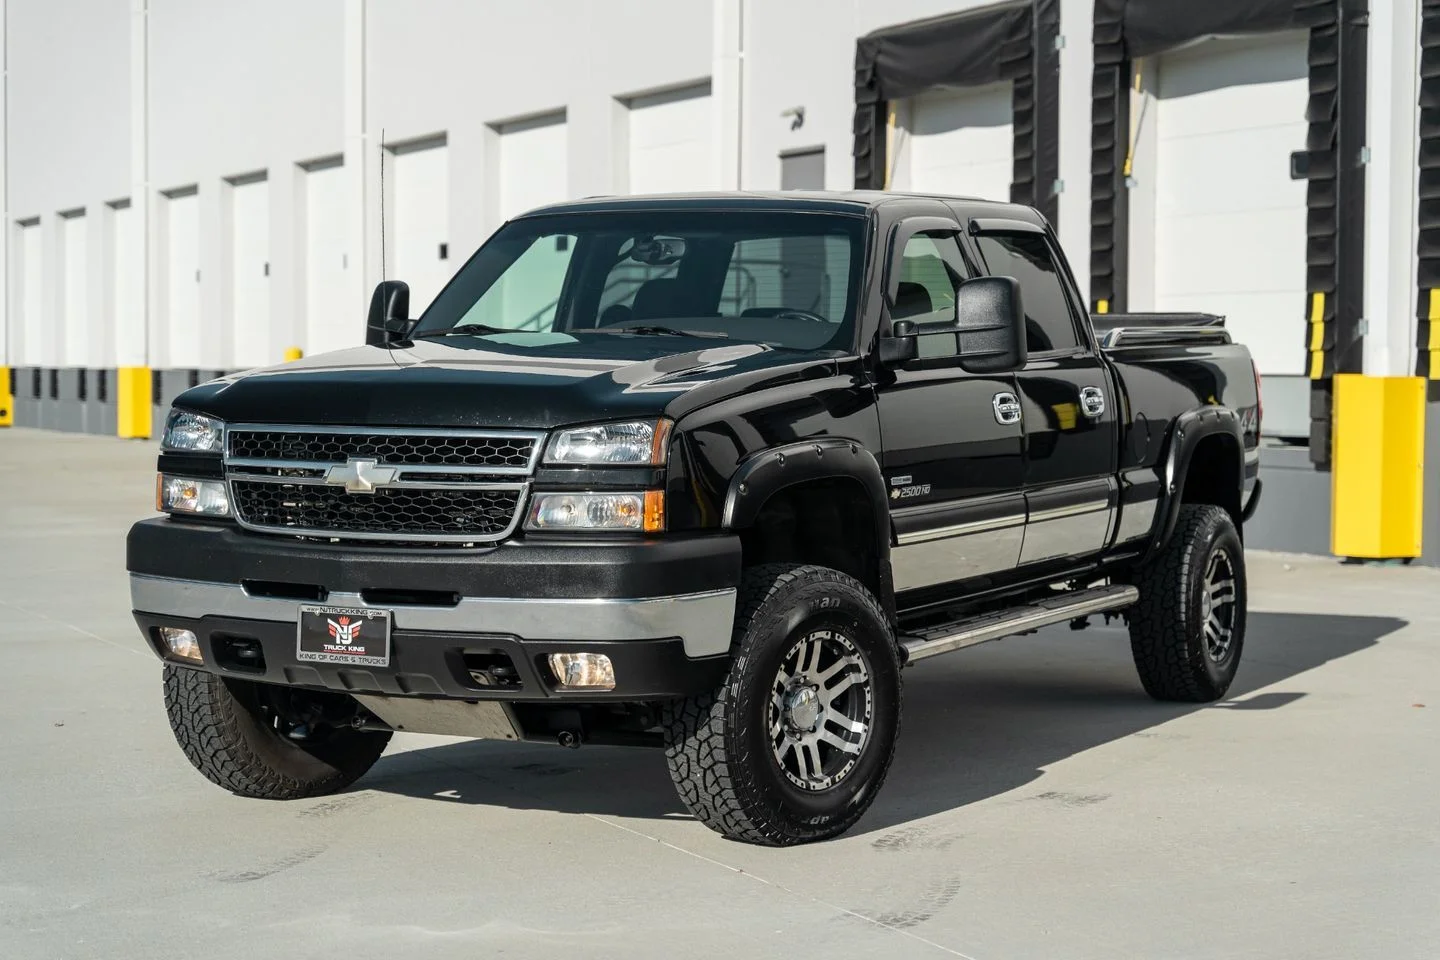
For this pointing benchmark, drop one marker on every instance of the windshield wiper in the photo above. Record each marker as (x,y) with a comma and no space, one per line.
(465,328)
(653,330)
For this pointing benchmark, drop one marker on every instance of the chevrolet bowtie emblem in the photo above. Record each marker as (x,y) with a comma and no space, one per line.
(360,475)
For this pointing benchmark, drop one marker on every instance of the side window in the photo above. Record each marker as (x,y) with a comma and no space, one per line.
(1026,257)
(930,272)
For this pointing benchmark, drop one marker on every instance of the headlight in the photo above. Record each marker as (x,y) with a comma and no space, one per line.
(206,498)
(638,442)
(192,433)
(641,512)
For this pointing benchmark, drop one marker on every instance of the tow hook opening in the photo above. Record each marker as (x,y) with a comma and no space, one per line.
(241,654)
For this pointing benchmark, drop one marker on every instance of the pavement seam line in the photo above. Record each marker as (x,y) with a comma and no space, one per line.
(725,866)
(80,630)
(780,886)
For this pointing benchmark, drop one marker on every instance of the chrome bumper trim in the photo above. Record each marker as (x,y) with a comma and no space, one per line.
(702,620)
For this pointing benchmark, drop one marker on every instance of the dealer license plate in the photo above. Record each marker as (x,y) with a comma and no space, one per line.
(351,635)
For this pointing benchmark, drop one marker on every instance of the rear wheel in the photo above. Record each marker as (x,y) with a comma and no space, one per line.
(796,743)
(259,740)
(1188,628)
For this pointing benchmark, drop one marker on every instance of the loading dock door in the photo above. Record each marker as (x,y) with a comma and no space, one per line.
(533,172)
(1230,224)
(419,223)
(249,275)
(127,305)
(76,265)
(182,282)
(958,142)
(672,142)
(37,343)
(327,325)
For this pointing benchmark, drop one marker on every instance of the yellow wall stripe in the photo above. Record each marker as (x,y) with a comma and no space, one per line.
(132,402)
(1317,336)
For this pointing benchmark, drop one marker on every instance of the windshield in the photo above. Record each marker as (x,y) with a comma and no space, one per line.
(785,279)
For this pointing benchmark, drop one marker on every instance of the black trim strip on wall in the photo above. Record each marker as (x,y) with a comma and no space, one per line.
(1427,253)
(1015,41)
(1335,198)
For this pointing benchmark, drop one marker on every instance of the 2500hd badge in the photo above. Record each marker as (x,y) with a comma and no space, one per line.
(625,482)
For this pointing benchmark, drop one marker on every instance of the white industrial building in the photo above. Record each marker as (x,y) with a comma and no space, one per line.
(194,186)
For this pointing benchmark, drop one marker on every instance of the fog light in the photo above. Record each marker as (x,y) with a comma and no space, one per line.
(583,671)
(182,643)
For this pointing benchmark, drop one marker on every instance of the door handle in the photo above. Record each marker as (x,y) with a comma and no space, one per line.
(1092,401)
(1007,408)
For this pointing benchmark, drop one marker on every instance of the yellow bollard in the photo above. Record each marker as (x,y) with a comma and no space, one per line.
(132,402)
(7,397)
(293,354)
(1377,469)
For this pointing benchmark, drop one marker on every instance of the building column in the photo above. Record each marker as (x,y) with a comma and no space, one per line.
(1077,63)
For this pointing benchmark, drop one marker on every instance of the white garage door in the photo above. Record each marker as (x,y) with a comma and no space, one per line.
(39,343)
(327,324)
(1229,221)
(250,275)
(533,172)
(127,291)
(419,223)
(959,142)
(672,142)
(75,263)
(182,281)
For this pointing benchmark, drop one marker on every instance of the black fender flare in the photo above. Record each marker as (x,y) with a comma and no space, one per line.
(1185,435)
(767,472)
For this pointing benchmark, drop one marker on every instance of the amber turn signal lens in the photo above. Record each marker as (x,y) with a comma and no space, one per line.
(654,511)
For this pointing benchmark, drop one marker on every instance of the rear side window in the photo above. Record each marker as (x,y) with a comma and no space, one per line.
(1027,258)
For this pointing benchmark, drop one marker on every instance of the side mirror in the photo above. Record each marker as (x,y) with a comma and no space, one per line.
(990,324)
(389,313)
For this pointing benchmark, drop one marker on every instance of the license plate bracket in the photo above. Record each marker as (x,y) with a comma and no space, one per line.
(353,636)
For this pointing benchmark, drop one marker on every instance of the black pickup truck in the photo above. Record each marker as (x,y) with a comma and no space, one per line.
(700,472)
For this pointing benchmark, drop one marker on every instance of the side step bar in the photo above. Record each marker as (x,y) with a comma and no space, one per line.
(960,634)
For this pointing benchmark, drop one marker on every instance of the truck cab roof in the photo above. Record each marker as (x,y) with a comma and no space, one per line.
(856,202)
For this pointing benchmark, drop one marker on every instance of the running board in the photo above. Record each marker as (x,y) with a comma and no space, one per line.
(960,634)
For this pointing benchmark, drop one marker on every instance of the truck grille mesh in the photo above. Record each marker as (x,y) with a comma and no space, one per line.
(478,450)
(403,513)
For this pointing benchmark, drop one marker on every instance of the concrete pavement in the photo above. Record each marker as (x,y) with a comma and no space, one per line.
(1040,805)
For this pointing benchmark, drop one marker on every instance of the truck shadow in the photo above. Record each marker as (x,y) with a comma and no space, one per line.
(976,725)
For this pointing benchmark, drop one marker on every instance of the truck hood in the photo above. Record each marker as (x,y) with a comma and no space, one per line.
(521,380)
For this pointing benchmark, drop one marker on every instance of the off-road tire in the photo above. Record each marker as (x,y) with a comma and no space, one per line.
(219,726)
(716,744)
(1167,626)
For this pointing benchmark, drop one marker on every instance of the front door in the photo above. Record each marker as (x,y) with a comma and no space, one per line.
(1069,407)
(952,439)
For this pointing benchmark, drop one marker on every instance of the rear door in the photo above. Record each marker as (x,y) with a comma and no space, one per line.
(952,439)
(1068,402)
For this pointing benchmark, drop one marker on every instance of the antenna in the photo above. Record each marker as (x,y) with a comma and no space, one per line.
(383,273)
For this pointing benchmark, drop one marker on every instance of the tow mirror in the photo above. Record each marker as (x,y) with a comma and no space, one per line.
(389,313)
(990,325)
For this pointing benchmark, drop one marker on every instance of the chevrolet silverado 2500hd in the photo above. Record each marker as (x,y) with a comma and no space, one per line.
(699,472)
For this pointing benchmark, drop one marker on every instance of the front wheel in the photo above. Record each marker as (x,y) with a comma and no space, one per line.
(797,741)
(264,741)
(1188,628)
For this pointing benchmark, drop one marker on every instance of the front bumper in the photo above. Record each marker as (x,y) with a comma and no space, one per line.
(662,610)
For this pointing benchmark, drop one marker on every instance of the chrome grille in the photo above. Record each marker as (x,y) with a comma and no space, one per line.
(422,486)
